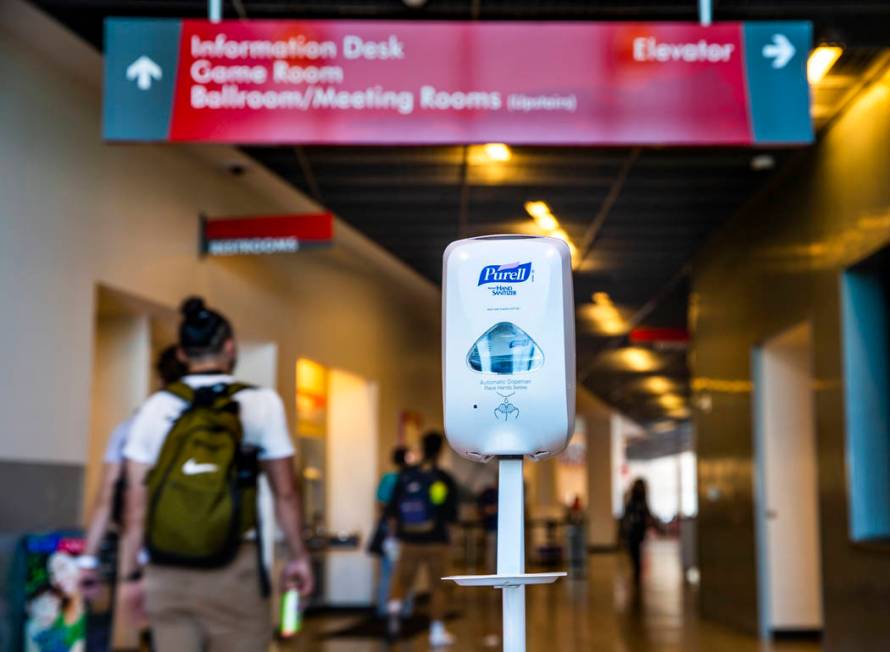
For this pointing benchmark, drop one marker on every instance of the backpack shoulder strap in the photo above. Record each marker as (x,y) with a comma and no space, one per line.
(181,390)
(234,388)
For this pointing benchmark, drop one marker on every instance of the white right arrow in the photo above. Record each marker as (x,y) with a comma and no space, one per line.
(780,51)
(143,70)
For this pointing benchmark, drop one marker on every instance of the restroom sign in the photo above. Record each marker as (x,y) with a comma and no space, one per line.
(435,82)
(278,234)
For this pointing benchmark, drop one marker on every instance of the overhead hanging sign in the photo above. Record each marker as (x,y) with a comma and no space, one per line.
(265,235)
(377,82)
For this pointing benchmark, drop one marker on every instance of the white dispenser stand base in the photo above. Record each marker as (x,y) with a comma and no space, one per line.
(511,577)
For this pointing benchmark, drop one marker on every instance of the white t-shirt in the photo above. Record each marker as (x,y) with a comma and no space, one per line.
(262,417)
(114,452)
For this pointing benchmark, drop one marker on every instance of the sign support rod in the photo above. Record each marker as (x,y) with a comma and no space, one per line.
(705,12)
(214,10)
(511,549)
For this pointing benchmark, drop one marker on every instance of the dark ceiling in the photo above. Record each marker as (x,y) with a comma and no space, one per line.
(638,214)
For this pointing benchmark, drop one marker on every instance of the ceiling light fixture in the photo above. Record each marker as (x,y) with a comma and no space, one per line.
(631,358)
(603,316)
(497,152)
(657,384)
(821,60)
(602,298)
(763,162)
(672,401)
(542,215)
(546,221)
(679,413)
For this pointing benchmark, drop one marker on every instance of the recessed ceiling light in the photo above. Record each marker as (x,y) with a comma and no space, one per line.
(632,358)
(657,384)
(763,162)
(671,401)
(821,60)
(498,152)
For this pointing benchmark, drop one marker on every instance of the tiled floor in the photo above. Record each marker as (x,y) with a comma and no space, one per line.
(596,613)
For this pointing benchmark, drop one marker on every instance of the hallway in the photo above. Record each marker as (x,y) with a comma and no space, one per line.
(598,614)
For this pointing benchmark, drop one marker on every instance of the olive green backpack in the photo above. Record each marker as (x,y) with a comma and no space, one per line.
(202,489)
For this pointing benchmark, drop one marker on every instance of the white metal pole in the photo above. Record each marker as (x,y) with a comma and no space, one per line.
(705,12)
(214,10)
(511,549)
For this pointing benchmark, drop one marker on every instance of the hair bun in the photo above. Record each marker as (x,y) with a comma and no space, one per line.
(192,308)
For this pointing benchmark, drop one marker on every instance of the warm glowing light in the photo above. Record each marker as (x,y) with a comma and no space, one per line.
(311,377)
(538,209)
(602,316)
(672,401)
(312,473)
(638,359)
(497,152)
(547,223)
(679,413)
(657,384)
(602,298)
(543,216)
(632,358)
(821,60)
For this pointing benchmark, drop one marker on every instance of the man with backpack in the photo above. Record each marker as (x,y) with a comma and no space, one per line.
(194,454)
(421,511)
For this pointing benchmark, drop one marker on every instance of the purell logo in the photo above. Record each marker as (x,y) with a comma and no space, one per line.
(509,273)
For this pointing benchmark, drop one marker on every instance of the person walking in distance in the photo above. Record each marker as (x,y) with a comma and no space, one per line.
(383,544)
(421,511)
(194,454)
(635,524)
(106,515)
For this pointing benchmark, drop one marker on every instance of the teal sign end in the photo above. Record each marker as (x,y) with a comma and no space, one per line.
(141,58)
(776,64)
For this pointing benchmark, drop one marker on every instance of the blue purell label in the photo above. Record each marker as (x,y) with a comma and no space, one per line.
(509,273)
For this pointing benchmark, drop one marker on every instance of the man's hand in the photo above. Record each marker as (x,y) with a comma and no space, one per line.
(133,598)
(297,574)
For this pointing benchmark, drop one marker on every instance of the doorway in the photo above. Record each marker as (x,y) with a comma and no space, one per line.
(337,425)
(786,505)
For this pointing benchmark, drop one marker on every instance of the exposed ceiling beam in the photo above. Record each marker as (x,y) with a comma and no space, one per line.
(614,193)
(308,174)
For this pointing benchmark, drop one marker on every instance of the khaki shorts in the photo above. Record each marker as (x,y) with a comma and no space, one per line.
(412,558)
(215,610)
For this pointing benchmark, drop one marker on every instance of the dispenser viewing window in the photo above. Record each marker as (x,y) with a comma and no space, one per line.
(505,349)
(508,346)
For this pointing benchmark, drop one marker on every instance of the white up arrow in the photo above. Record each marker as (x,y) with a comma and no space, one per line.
(143,70)
(780,51)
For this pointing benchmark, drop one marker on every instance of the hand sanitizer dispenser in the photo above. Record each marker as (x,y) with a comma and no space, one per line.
(508,346)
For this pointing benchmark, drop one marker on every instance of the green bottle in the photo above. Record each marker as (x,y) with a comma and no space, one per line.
(291,616)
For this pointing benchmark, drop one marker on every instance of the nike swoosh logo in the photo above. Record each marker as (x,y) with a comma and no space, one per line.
(192,467)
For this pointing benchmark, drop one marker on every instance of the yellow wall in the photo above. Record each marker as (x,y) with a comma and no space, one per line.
(778,264)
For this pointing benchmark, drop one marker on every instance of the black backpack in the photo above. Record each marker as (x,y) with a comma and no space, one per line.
(417,513)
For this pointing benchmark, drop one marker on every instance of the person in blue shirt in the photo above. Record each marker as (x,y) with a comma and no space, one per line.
(401,458)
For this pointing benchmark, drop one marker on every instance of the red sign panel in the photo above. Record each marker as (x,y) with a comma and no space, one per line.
(661,337)
(380,82)
(266,235)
